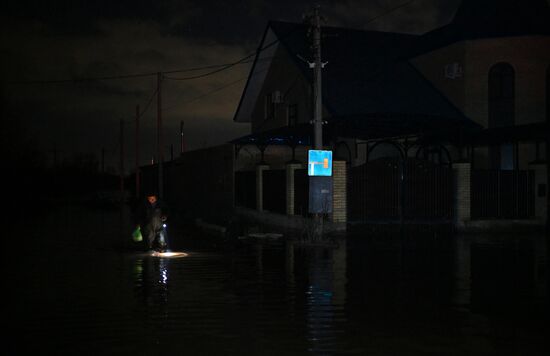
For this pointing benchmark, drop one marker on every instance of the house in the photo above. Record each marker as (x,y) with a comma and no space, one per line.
(451,125)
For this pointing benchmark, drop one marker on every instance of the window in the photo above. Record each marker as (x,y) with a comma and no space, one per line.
(292,115)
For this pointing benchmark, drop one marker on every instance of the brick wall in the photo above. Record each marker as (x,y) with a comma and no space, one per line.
(339,191)
(462,207)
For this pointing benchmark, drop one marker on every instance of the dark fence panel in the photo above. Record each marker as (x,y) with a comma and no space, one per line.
(499,194)
(373,190)
(382,189)
(427,190)
(357,203)
(274,190)
(245,189)
(301,192)
(390,189)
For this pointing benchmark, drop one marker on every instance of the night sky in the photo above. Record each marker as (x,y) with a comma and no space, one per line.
(50,47)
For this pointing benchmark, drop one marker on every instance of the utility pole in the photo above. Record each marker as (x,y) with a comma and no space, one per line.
(102,160)
(160,157)
(317,88)
(121,162)
(55,156)
(138,188)
(181,138)
(102,180)
(319,187)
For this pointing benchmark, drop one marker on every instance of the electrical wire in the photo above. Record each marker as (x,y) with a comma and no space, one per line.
(389,11)
(127,76)
(206,94)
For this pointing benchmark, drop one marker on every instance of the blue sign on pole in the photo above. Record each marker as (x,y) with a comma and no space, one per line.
(319,163)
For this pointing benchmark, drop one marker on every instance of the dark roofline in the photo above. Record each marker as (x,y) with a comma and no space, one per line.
(258,50)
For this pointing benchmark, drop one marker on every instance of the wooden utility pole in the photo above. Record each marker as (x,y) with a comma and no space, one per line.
(182,147)
(318,185)
(138,188)
(160,157)
(121,162)
(317,88)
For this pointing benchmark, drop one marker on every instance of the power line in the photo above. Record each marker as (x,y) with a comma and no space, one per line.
(221,67)
(148,103)
(272,43)
(127,76)
(206,94)
(389,11)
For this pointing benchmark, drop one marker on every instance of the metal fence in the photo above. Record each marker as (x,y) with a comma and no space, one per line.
(502,194)
(389,189)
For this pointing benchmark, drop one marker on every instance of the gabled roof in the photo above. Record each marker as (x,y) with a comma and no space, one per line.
(367,74)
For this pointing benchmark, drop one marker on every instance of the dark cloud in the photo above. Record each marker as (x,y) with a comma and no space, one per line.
(74,39)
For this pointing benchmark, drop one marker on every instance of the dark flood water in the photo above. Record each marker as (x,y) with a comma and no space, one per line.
(76,287)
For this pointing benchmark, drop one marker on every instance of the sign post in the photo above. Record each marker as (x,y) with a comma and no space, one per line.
(320,181)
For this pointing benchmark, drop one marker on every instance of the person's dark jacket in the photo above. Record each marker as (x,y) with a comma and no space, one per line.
(146,211)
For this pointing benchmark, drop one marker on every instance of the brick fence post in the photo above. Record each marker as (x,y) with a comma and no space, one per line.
(339,192)
(461,194)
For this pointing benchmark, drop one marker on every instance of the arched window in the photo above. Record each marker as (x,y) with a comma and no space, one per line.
(501,97)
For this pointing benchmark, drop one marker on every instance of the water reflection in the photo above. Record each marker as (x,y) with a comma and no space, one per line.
(325,297)
(373,293)
(151,280)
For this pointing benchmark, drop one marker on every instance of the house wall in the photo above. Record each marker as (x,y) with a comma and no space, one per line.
(286,77)
(530,58)
(432,66)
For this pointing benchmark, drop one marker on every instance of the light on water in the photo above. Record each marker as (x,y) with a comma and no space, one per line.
(169,254)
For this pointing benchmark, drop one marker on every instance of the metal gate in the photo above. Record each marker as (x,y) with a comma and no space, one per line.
(392,189)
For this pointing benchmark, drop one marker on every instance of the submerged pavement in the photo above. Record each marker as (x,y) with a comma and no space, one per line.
(78,285)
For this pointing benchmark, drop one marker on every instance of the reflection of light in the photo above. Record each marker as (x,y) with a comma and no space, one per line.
(168,254)
(164,275)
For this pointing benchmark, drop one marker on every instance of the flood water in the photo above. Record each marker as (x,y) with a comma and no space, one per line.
(77,286)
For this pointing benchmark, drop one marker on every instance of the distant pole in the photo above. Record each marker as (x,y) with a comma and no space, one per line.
(102,175)
(181,138)
(102,160)
(160,157)
(171,152)
(121,162)
(55,155)
(317,91)
(138,188)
